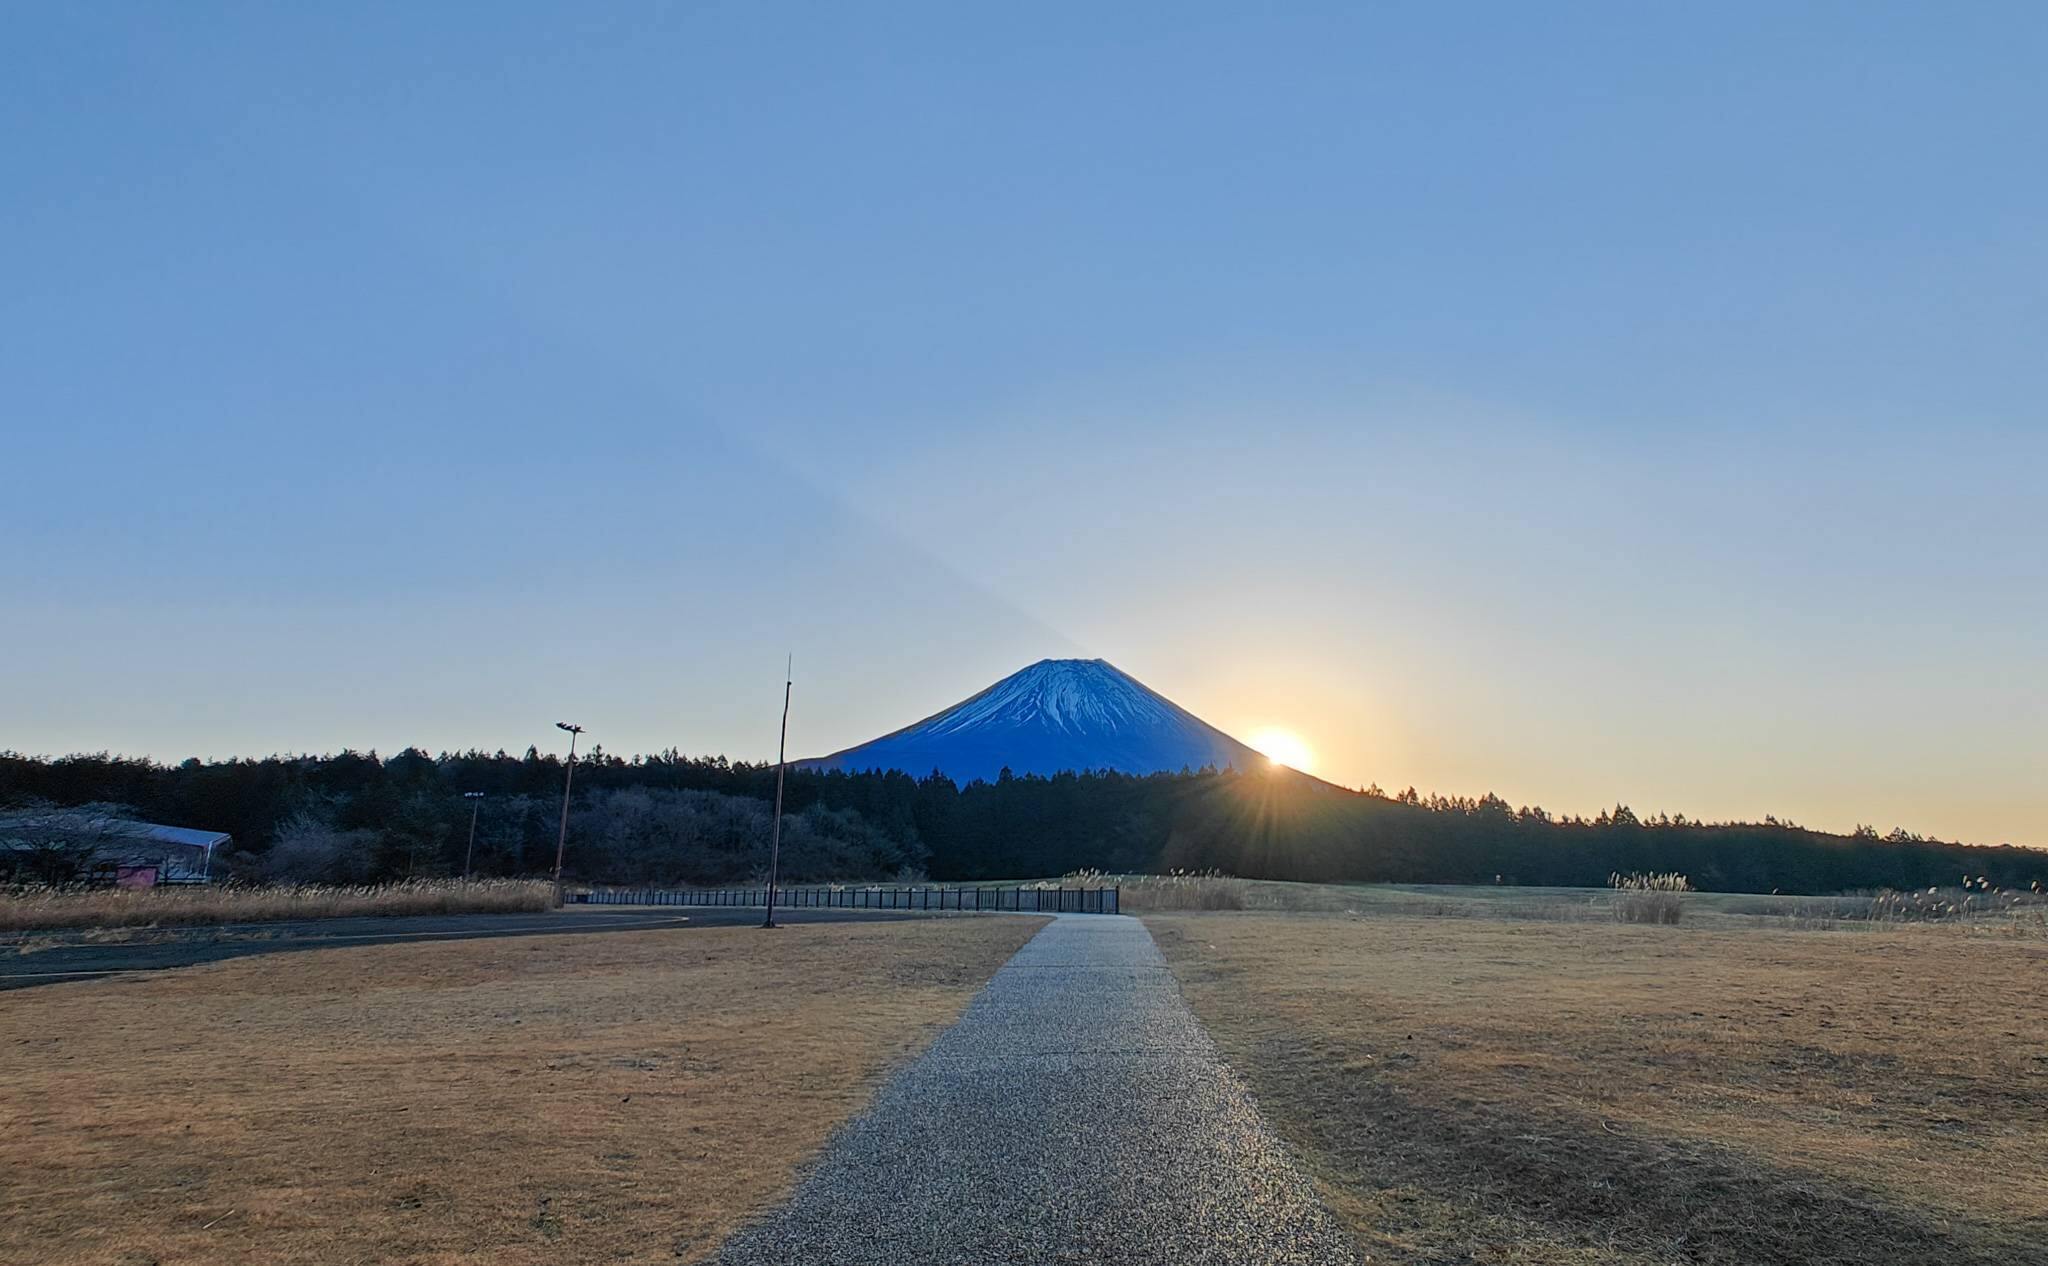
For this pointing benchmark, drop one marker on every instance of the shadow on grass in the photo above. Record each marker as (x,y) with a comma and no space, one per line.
(1426,1173)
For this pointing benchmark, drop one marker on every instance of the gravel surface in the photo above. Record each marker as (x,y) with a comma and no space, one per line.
(1076,1113)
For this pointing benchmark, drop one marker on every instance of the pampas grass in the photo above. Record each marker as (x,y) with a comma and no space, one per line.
(1648,897)
(1177,890)
(43,908)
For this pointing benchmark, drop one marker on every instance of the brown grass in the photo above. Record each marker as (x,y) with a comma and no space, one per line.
(1504,1091)
(40,909)
(621,1097)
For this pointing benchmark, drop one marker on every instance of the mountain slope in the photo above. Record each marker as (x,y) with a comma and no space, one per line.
(1058,714)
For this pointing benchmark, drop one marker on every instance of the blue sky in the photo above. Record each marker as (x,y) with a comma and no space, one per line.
(1581,402)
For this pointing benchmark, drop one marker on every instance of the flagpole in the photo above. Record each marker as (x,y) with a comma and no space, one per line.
(781,765)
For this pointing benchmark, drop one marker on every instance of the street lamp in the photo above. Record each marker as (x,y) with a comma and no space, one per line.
(475,799)
(568,780)
(781,763)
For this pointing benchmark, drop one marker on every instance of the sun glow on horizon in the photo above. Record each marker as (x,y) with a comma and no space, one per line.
(1284,747)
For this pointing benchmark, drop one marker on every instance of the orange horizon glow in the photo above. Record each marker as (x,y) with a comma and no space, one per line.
(1284,747)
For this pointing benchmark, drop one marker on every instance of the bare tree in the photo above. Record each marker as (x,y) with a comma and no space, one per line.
(40,843)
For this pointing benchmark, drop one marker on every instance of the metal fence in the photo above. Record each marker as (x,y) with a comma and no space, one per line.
(1020,899)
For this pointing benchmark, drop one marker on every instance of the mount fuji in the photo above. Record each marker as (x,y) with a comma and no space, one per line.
(1058,714)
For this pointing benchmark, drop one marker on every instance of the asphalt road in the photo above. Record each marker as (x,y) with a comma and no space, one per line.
(1077,1112)
(158,949)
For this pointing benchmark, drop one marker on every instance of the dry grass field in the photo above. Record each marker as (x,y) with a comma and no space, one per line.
(626,1097)
(1520,1091)
(50,907)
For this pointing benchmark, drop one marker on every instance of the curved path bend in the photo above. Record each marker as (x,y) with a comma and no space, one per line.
(1077,1112)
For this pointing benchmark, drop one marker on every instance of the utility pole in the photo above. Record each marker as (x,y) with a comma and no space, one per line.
(568,781)
(781,764)
(476,801)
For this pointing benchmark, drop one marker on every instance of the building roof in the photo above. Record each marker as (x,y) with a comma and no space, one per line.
(190,837)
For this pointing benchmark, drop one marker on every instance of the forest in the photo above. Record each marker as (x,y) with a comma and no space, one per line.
(673,819)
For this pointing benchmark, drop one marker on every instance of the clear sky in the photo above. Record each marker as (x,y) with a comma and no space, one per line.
(1640,402)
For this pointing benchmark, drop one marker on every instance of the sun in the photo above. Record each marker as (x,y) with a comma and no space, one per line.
(1284,747)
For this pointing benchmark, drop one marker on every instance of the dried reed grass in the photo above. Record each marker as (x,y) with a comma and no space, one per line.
(45,908)
(1649,897)
(1176,890)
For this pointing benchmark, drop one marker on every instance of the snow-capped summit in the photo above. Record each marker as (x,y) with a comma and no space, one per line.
(1058,714)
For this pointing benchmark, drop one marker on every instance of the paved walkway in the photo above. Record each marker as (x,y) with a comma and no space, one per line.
(1076,1113)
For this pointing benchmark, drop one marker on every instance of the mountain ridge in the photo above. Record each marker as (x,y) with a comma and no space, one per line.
(1050,717)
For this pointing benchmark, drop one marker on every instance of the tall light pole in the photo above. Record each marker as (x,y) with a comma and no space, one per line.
(781,764)
(568,781)
(476,801)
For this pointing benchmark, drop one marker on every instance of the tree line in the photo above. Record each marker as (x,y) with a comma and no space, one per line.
(669,818)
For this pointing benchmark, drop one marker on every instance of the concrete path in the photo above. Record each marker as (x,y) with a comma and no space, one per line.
(1076,1113)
